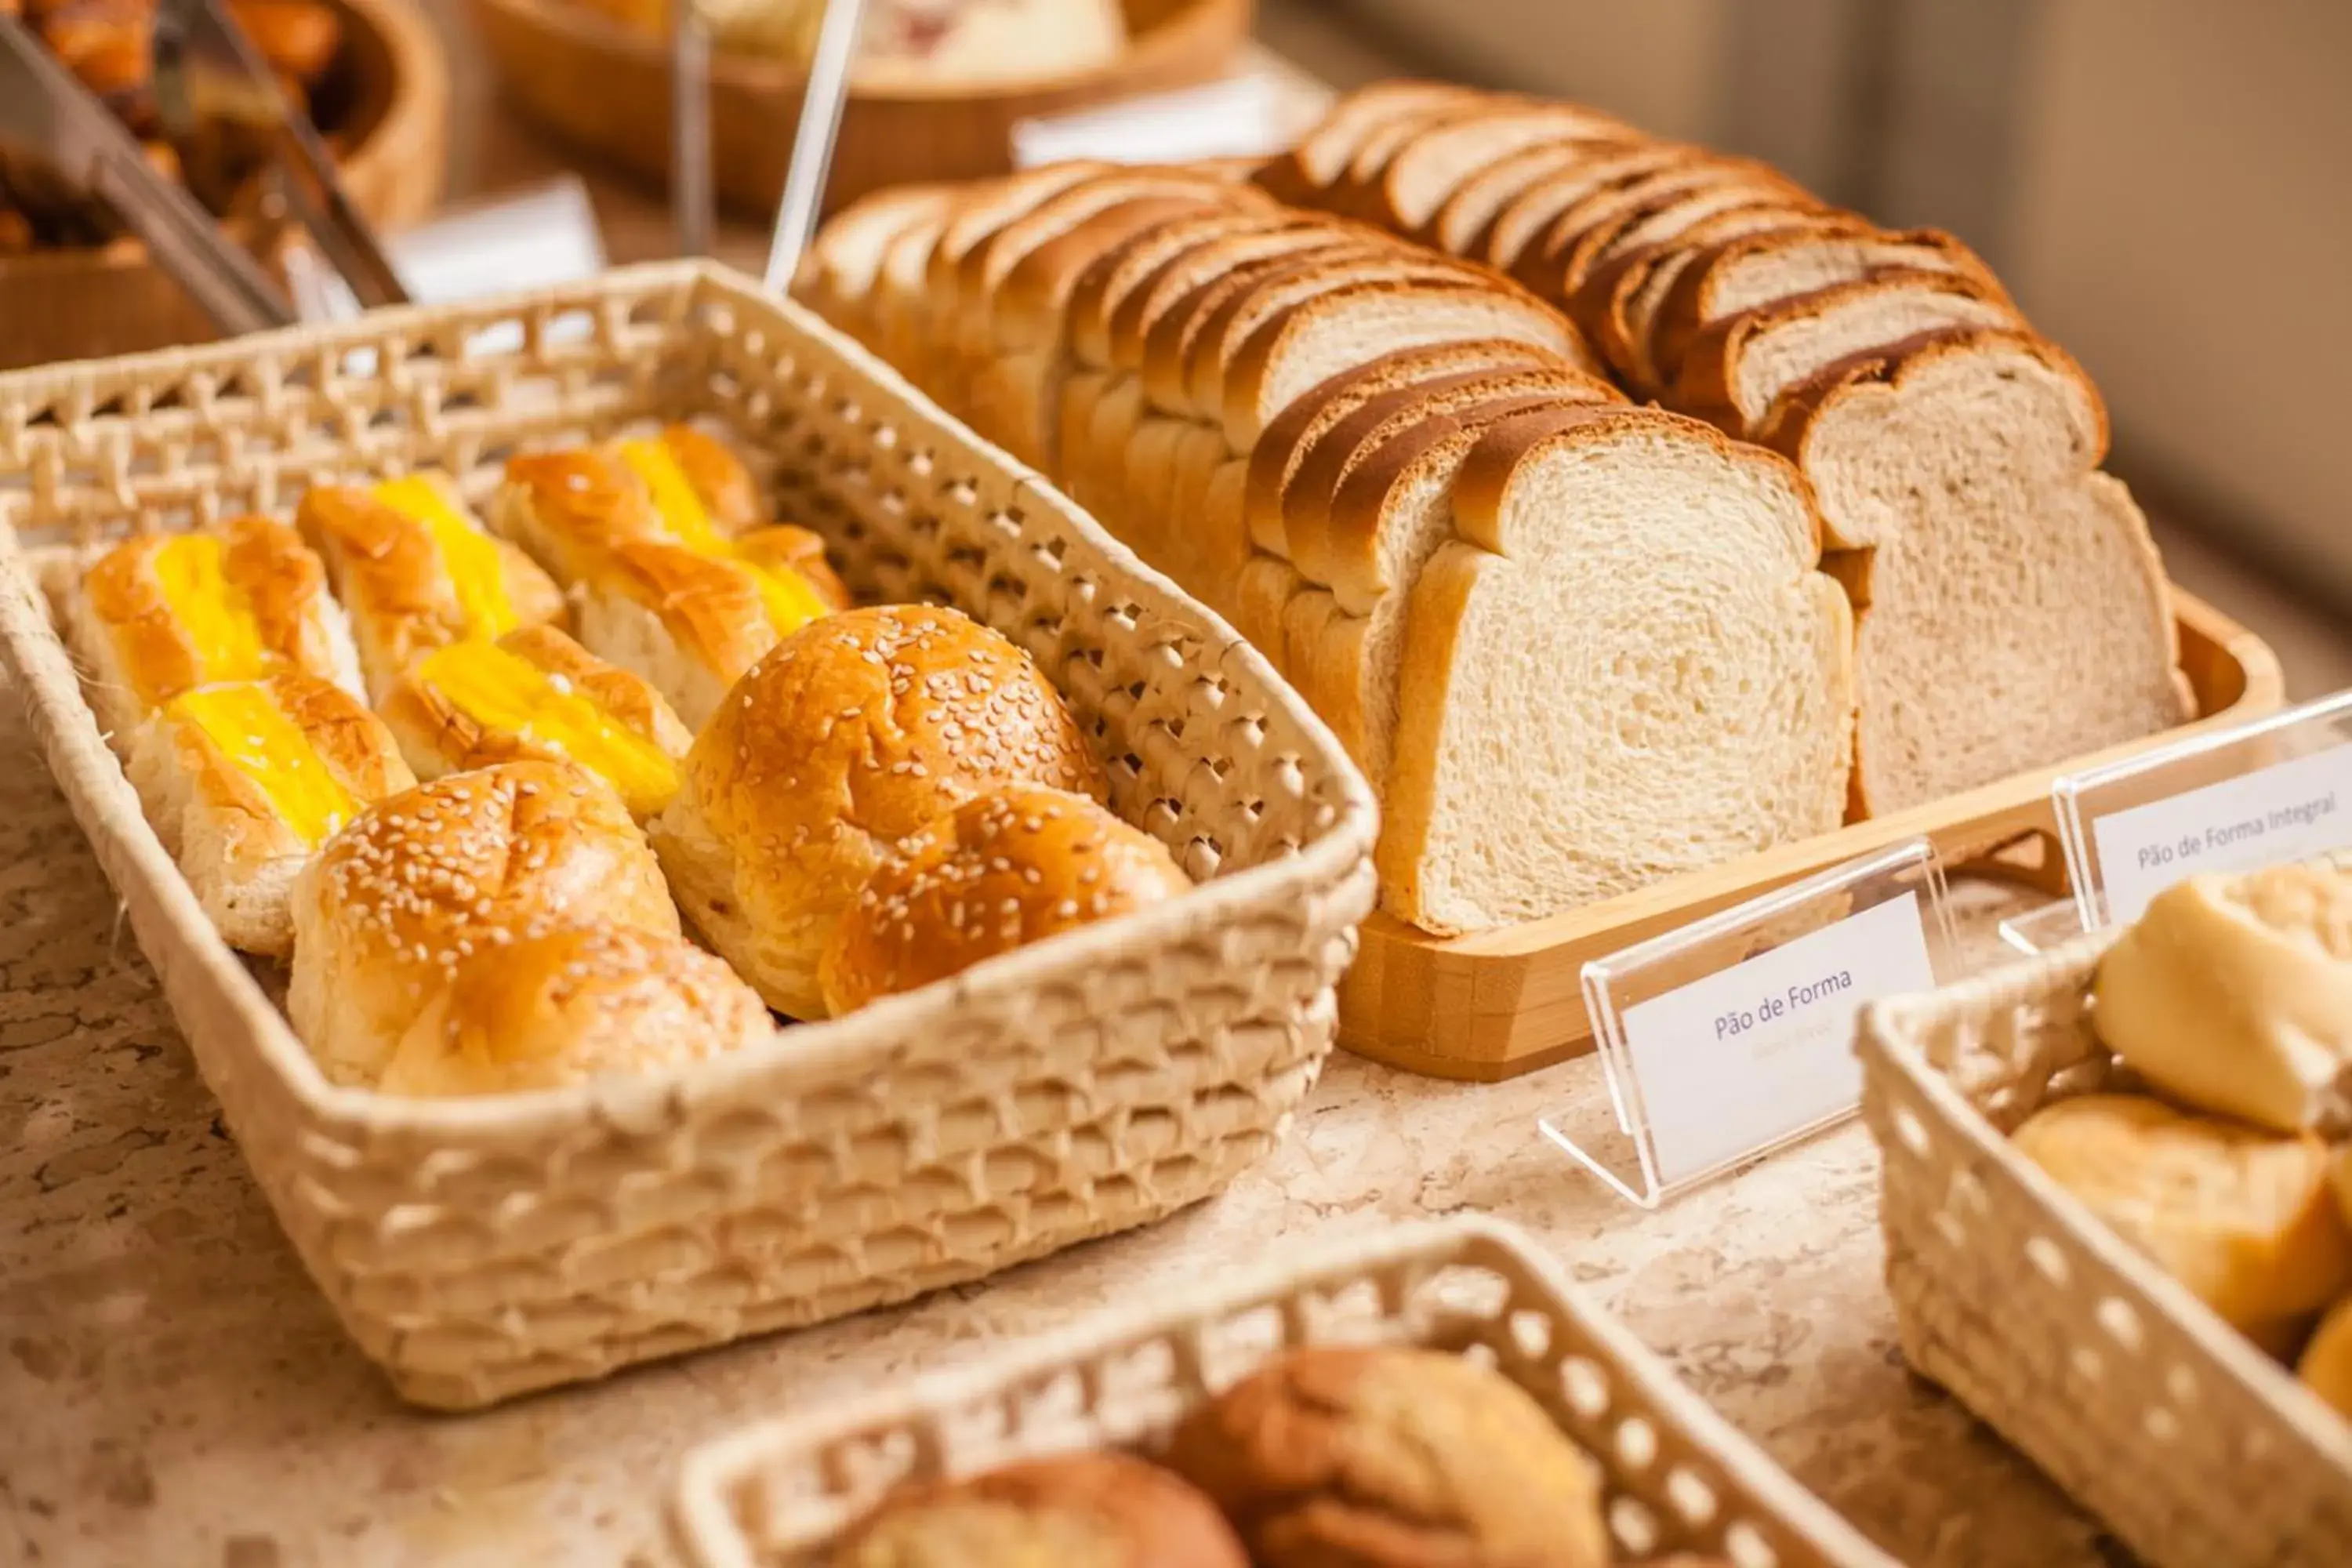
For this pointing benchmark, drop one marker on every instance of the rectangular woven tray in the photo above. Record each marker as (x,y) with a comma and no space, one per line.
(2194,1447)
(1680,1477)
(480,1248)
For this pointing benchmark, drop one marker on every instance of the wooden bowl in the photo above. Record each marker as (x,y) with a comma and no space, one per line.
(603,87)
(388,97)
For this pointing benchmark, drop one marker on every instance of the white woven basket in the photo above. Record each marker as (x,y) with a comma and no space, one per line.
(1090,1083)
(2192,1446)
(1680,1477)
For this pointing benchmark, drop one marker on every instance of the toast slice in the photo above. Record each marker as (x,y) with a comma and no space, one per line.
(1625,298)
(2016,612)
(1626,668)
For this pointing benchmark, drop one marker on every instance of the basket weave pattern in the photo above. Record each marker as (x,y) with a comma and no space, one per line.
(480,1248)
(2191,1444)
(1679,1477)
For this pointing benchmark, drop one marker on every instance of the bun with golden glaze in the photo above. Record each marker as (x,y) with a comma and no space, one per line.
(853,734)
(1075,1511)
(568,508)
(420,881)
(243,781)
(567,1006)
(1010,866)
(537,693)
(689,623)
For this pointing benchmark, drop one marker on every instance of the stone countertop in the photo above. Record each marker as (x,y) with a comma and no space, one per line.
(175,1392)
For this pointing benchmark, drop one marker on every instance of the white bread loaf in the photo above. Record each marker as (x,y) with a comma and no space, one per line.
(1429,167)
(1324,156)
(1527,217)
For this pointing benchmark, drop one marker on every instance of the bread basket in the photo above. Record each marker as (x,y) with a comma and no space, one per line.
(2194,1447)
(391,96)
(1679,1477)
(607,89)
(477,1249)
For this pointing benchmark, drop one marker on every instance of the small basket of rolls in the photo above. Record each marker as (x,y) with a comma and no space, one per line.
(653,833)
(2118,1212)
(1430,1394)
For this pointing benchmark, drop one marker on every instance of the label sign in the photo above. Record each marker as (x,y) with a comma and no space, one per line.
(2288,811)
(1765,1048)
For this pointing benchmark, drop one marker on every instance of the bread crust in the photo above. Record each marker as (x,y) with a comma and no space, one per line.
(1100,1510)
(569,509)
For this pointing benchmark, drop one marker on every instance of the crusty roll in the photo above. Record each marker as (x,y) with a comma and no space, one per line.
(565,1005)
(243,781)
(568,507)
(415,572)
(420,881)
(537,693)
(1102,1509)
(1392,1457)
(167,612)
(853,734)
(1009,867)
(720,484)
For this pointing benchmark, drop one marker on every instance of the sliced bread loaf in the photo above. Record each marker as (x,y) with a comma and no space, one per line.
(1129,264)
(1429,166)
(1324,155)
(838,277)
(1526,219)
(1626,299)
(1461,222)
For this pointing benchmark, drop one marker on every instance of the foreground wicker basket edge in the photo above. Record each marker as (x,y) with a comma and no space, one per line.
(479,1249)
(1680,1477)
(2196,1449)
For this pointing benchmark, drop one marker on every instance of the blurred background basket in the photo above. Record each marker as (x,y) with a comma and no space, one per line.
(603,87)
(387,107)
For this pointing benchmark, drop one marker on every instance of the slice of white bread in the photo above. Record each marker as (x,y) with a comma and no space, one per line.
(1548,263)
(1737,368)
(1627,667)
(2016,612)
(1660,217)
(1628,301)
(1132,263)
(1429,167)
(1529,216)
(1324,155)
(1461,224)
(1637,244)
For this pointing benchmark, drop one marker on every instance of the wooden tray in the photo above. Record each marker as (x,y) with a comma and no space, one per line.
(1497,1003)
(393,83)
(596,84)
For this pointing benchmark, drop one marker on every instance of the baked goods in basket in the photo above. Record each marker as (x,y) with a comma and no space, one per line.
(1101,1509)
(244,780)
(1012,865)
(537,693)
(564,1006)
(855,732)
(413,887)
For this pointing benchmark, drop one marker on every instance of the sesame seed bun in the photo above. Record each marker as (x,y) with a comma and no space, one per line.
(564,1006)
(422,880)
(1008,868)
(852,733)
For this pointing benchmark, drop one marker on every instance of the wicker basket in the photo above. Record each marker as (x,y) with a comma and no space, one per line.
(1095,1081)
(2195,1447)
(1679,1477)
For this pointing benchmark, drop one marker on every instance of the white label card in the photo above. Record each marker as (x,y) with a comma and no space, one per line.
(1765,1048)
(2288,811)
(1240,116)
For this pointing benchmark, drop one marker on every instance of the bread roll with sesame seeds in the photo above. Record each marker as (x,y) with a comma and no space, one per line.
(852,733)
(1005,868)
(421,881)
(568,1006)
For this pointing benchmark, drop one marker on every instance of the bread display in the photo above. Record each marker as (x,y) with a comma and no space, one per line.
(244,780)
(413,887)
(2011,609)
(1009,867)
(564,1006)
(855,732)
(1100,1510)
(535,693)
(163,614)
(1279,410)
(415,572)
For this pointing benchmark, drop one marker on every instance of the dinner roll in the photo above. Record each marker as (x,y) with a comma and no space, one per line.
(1009,867)
(167,612)
(1392,1457)
(415,572)
(855,732)
(565,1005)
(243,781)
(537,693)
(420,881)
(1102,1509)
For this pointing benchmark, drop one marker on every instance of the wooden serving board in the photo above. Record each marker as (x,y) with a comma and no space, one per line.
(1501,1002)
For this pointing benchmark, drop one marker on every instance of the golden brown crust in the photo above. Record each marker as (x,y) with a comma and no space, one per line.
(782,546)
(1392,1457)
(711,607)
(717,478)
(1010,866)
(1078,1511)
(352,743)
(569,509)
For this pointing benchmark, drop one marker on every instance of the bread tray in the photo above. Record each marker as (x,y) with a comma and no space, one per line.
(1497,1003)
(1680,1477)
(477,1249)
(2190,1443)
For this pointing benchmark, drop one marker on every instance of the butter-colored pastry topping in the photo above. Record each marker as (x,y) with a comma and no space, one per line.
(503,691)
(245,723)
(468,554)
